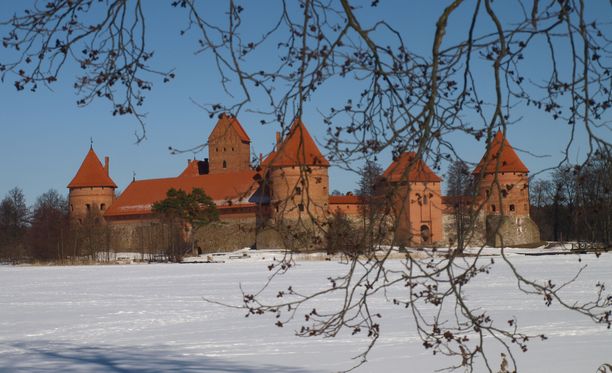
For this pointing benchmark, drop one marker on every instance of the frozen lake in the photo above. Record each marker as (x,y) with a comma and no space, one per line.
(151,318)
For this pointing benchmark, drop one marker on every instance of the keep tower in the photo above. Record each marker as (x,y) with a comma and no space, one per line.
(229,146)
(298,177)
(92,191)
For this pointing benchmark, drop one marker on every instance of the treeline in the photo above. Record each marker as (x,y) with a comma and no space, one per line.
(575,203)
(36,232)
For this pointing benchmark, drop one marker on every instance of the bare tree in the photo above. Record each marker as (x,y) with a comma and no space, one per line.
(14,223)
(460,191)
(400,100)
(48,234)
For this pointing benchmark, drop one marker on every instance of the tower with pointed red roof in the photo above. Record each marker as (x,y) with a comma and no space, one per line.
(504,185)
(416,200)
(298,177)
(92,191)
(229,146)
(504,195)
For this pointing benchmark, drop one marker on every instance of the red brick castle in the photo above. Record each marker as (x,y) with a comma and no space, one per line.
(292,184)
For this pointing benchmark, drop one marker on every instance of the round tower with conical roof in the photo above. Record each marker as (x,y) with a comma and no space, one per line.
(504,180)
(504,195)
(298,177)
(92,190)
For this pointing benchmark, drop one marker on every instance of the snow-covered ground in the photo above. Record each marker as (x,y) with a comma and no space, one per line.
(151,318)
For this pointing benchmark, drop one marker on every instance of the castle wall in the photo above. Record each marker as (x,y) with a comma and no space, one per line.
(348,209)
(149,235)
(475,235)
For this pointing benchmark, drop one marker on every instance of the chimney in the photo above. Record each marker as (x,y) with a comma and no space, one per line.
(278,139)
(106,165)
(260,159)
(204,167)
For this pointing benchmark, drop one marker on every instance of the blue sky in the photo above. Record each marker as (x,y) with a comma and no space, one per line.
(44,135)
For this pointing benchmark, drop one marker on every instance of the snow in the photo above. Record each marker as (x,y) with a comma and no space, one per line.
(152,318)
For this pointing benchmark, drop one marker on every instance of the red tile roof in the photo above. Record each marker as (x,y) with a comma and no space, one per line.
(345,200)
(298,149)
(226,121)
(138,197)
(91,173)
(500,149)
(418,170)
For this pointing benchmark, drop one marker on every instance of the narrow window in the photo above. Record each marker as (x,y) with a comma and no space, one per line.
(217,150)
(424,200)
(298,191)
(301,206)
(512,207)
(504,193)
(88,206)
(102,206)
(71,207)
(487,193)
(493,208)
(232,148)
(224,164)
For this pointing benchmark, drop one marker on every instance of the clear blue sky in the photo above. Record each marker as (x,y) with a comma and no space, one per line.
(44,136)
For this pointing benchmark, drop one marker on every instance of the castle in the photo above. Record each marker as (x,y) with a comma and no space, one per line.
(292,184)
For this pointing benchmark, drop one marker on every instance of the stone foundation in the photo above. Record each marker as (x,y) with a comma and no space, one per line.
(510,231)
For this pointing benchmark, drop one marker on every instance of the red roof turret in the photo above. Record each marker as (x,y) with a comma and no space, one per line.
(500,150)
(419,171)
(298,149)
(92,173)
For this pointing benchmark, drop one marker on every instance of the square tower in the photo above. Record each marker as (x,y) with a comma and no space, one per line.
(229,146)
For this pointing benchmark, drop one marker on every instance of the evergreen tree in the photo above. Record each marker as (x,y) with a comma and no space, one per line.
(188,212)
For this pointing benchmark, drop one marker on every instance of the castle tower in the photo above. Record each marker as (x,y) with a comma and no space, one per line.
(298,177)
(229,146)
(92,191)
(504,193)
(415,199)
(504,187)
